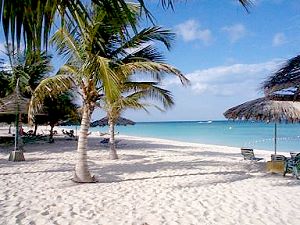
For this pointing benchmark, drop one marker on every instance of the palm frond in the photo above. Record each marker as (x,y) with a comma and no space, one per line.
(143,53)
(288,76)
(146,35)
(105,75)
(155,93)
(66,43)
(156,69)
(49,87)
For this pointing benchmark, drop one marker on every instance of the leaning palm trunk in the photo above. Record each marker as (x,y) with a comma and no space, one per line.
(51,139)
(82,173)
(112,151)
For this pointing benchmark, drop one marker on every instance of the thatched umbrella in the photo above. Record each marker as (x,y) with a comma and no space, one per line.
(13,102)
(267,109)
(104,122)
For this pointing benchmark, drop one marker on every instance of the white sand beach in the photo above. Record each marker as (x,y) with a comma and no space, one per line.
(154,182)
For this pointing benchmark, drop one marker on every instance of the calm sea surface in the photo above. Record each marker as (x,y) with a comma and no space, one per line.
(256,135)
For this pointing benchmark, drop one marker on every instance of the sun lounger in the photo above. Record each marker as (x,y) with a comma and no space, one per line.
(278,157)
(105,142)
(248,154)
(292,165)
(68,133)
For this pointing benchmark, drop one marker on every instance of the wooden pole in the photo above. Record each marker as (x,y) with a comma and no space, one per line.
(17,154)
(275,138)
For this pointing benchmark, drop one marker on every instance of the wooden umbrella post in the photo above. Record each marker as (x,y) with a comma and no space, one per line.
(17,154)
(275,138)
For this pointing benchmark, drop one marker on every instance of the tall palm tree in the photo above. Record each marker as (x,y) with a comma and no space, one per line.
(33,19)
(134,55)
(287,77)
(29,67)
(133,94)
(93,71)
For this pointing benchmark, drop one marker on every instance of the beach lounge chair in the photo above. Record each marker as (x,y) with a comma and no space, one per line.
(248,154)
(278,157)
(68,133)
(104,141)
(292,165)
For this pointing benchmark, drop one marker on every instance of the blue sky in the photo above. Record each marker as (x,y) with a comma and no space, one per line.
(224,51)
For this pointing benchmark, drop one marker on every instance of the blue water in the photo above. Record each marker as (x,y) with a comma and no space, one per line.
(256,135)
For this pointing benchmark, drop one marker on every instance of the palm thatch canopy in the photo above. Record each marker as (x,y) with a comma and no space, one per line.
(288,76)
(9,104)
(104,122)
(265,109)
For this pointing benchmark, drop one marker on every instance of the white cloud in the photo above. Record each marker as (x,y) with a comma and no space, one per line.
(235,32)
(230,80)
(191,31)
(279,39)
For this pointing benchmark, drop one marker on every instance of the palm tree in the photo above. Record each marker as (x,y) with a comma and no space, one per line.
(133,94)
(91,68)
(33,19)
(134,55)
(29,67)
(287,77)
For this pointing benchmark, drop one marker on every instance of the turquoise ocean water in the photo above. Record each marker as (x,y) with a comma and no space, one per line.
(256,135)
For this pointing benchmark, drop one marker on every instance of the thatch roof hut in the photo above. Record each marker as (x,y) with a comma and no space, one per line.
(104,122)
(275,109)
(9,104)
(265,109)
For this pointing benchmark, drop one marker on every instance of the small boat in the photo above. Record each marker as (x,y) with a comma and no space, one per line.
(208,121)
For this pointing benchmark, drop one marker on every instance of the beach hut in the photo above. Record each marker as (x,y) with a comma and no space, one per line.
(275,109)
(104,122)
(15,104)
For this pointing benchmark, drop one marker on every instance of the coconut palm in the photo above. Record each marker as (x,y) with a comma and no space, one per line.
(85,70)
(133,94)
(287,77)
(33,19)
(93,70)
(29,67)
(136,55)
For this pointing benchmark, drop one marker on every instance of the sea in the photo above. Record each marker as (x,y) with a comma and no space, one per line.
(251,134)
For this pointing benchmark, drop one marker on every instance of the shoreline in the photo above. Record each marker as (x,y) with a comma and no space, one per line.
(96,134)
(154,181)
(45,130)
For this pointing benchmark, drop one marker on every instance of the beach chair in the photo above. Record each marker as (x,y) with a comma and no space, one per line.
(248,154)
(68,133)
(292,165)
(104,141)
(278,157)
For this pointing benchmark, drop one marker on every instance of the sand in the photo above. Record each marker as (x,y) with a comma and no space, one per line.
(154,182)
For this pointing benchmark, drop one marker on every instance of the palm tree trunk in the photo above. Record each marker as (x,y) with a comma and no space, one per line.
(82,173)
(35,129)
(112,151)
(51,139)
